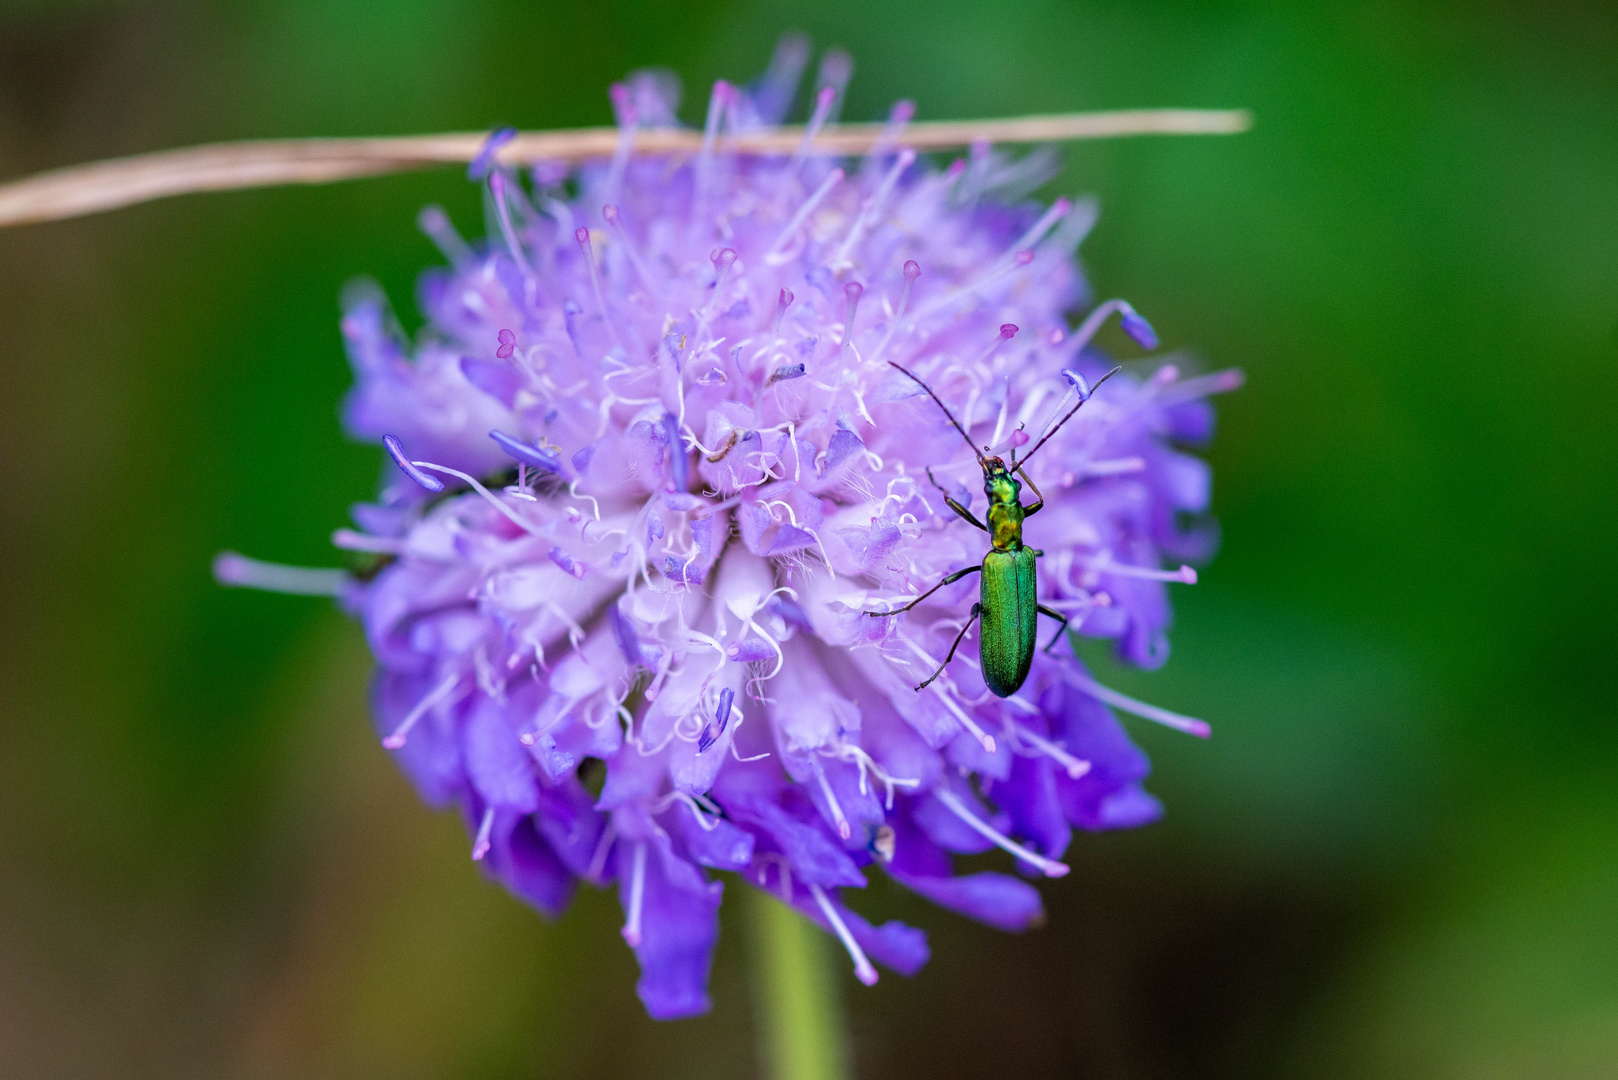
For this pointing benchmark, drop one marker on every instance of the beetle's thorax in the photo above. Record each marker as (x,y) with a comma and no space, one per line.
(1005,506)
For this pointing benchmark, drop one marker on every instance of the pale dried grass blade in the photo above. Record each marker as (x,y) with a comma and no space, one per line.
(108,185)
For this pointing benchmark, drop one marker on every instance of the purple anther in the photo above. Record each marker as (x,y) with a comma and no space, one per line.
(721,259)
(1019,437)
(1057,336)
(853,291)
(406,466)
(582,235)
(1008,330)
(784,301)
(791,611)
(1024,257)
(678,570)
(711,732)
(508,343)
(751,651)
(560,558)
(533,456)
(912,270)
(786,371)
(825,96)
(679,454)
(1078,383)
(902,112)
(623,631)
(609,214)
(483,163)
(1139,329)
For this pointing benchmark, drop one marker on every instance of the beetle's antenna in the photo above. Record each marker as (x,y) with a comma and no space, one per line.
(1086,397)
(941,405)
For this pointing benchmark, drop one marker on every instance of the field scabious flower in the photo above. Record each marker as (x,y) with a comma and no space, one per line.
(651,467)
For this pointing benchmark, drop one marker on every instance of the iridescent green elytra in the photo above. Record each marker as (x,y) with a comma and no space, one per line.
(1008,601)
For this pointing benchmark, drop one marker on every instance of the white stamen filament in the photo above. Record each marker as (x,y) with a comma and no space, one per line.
(832,804)
(396,738)
(1188,724)
(833,178)
(497,188)
(615,222)
(817,120)
(1051,867)
(349,540)
(436,224)
(485,492)
(1076,767)
(863,971)
(993,276)
(1059,210)
(480,846)
(598,860)
(1219,382)
(637,895)
(960,714)
(872,209)
(1111,467)
(867,762)
(627,123)
(231,568)
(1090,326)
(587,248)
(1080,604)
(1184,574)
(707,818)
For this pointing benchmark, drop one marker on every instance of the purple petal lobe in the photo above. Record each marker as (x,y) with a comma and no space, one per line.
(679,923)
(996,899)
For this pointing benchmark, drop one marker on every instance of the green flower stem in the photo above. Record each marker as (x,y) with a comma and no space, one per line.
(800,1019)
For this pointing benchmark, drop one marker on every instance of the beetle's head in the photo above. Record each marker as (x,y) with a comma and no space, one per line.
(998,484)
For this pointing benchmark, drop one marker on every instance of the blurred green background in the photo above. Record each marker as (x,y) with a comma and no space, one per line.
(1398,856)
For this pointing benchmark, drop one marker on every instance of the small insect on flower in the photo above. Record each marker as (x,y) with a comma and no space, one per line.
(662,454)
(1009,602)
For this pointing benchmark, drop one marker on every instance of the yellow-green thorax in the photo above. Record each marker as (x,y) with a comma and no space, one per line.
(1005,506)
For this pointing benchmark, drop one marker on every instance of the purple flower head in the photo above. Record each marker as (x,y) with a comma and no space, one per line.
(655,474)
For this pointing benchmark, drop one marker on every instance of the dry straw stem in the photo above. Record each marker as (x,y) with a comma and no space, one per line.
(108,185)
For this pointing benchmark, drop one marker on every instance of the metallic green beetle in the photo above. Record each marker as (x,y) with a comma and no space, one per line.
(1008,601)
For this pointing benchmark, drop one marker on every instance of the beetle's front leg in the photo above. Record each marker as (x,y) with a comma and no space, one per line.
(953,505)
(1059,617)
(1039,500)
(949,580)
(977,609)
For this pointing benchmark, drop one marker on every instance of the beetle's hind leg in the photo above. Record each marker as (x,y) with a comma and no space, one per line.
(949,580)
(977,609)
(1059,617)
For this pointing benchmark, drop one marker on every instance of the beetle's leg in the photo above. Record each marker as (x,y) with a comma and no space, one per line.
(1039,503)
(955,506)
(977,609)
(1059,617)
(950,580)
